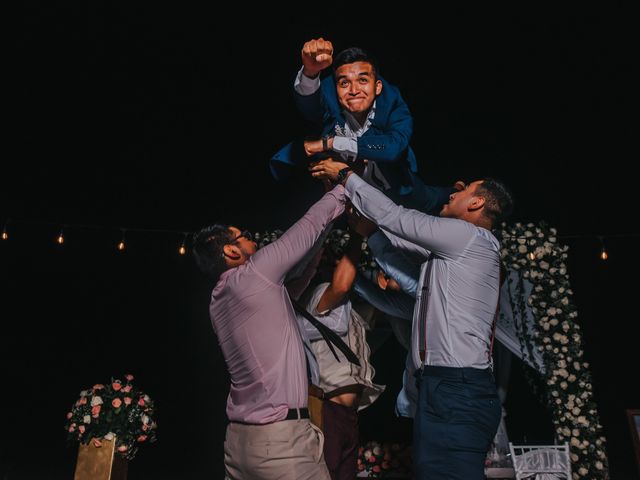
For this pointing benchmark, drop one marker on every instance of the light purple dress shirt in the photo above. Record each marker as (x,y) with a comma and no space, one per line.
(256,325)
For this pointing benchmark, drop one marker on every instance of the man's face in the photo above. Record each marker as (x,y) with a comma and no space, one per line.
(459,201)
(247,246)
(357,86)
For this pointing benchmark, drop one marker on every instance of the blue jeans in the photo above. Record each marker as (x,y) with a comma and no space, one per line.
(457,417)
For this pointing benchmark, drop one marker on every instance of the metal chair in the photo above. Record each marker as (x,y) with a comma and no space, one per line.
(541,462)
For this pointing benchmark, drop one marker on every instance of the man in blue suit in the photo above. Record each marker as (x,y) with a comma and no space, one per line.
(364,122)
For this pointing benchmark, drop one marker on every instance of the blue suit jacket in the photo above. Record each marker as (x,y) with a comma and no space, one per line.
(386,142)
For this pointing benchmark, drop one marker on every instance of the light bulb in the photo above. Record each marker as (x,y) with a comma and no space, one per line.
(121,245)
(603,254)
(182,250)
(531,256)
(60,239)
(5,235)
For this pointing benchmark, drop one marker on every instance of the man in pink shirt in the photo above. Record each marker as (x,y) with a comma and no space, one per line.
(269,435)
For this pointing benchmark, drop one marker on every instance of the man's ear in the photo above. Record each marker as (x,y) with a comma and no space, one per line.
(231,252)
(378,87)
(476,203)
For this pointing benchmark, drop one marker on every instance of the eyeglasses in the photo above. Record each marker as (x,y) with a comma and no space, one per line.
(246,234)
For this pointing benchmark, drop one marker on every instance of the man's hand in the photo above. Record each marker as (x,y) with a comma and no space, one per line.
(459,185)
(327,169)
(311,147)
(316,55)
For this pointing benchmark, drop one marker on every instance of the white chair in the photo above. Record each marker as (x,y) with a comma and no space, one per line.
(541,462)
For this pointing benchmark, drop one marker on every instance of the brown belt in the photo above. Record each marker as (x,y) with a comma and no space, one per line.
(316,391)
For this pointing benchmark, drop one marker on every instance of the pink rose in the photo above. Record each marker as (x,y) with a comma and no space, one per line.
(95,411)
(69,415)
(142,438)
(372,459)
(116,402)
(97,442)
(83,400)
(116,385)
(127,400)
(127,389)
(376,469)
(145,427)
(72,427)
(141,402)
(122,448)
(98,386)
(81,428)
(129,377)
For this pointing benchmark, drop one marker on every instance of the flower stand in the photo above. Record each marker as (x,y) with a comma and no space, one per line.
(100,463)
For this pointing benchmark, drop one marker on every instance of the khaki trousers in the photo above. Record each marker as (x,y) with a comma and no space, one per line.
(285,450)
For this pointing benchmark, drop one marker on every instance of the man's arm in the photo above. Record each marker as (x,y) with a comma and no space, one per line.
(396,263)
(316,55)
(277,258)
(343,275)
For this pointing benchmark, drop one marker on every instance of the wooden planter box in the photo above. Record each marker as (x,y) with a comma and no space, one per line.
(100,463)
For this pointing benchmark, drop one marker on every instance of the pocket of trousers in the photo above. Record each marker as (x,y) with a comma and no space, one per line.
(319,436)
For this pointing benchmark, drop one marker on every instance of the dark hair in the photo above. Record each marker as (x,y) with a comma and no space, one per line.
(208,251)
(352,55)
(498,200)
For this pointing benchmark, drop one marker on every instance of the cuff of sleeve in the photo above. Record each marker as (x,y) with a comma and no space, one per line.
(377,241)
(346,145)
(305,85)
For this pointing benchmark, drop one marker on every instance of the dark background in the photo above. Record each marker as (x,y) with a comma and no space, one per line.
(165,117)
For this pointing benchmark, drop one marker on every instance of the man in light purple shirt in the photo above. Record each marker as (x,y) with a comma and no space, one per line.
(270,436)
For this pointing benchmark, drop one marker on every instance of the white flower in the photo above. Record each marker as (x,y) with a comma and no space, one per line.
(583,471)
(599,465)
(110,436)
(86,419)
(96,401)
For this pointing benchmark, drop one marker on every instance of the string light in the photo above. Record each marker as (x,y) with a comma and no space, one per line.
(531,256)
(122,245)
(60,238)
(603,252)
(183,248)
(5,235)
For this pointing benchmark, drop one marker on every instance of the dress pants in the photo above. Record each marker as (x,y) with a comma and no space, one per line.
(456,420)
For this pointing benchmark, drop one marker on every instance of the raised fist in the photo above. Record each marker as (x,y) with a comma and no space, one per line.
(316,55)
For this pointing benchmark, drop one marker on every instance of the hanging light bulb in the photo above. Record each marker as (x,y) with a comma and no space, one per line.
(531,256)
(603,252)
(183,248)
(122,245)
(60,238)
(5,235)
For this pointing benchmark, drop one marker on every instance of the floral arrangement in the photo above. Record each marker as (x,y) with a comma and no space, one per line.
(117,411)
(381,459)
(533,250)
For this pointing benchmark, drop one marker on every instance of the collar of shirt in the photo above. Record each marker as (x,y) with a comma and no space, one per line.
(354,129)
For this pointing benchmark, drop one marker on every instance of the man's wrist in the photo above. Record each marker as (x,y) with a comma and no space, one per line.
(343,174)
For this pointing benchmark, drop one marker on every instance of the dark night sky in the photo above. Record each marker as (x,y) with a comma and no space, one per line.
(158,117)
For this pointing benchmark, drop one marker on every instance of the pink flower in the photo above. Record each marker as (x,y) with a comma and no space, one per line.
(141,402)
(95,411)
(83,400)
(145,427)
(69,415)
(142,438)
(127,389)
(376,469)
(116,385)
(127,400)
(72,427)
(372,459)
(122,448)
(98,386)
(81,428)
(116,402)
(129,377)
(97,442)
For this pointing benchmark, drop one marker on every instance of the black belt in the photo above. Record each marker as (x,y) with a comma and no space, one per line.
(455,372)
(297,413)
